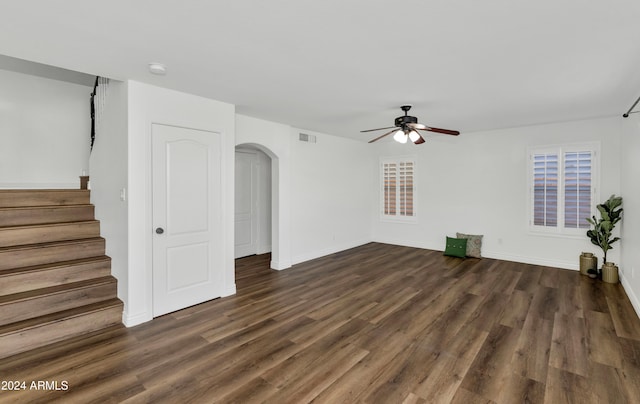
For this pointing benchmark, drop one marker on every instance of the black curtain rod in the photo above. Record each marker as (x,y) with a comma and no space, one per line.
(631,109)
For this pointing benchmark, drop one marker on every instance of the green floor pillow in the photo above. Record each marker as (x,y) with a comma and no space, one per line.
(456,247)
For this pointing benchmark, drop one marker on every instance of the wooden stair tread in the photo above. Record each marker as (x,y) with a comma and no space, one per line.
(48,244)
(57,224)
(44,207)
(23,190)
(42,197)
(40,321)
(59,264)
(50,252)
(42,233)
(71,205)
(40,207)
(34,293)
(26,215)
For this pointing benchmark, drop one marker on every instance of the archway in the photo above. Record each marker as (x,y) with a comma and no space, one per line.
(267,176)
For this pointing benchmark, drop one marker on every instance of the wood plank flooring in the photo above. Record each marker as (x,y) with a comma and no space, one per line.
(374,324)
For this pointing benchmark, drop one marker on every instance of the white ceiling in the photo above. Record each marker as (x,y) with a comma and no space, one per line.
(48,71)
(341,66)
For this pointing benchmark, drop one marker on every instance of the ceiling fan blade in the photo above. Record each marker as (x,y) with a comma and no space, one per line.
(420,140)
(372,130)
(437,130)
(386,134)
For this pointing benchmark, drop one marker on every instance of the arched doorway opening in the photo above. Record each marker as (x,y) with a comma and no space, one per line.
(257,202)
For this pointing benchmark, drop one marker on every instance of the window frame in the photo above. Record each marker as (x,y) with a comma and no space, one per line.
(397,217)
(561,150)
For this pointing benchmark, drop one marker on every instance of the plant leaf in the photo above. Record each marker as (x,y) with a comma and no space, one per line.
(603,212)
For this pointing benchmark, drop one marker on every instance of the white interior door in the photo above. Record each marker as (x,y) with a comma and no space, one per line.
(246,223)
(187,247)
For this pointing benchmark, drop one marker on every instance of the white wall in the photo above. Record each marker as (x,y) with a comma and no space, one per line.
(630,225)
(44,132)
(109,170)
(331,195)
(477,183)
(149,104)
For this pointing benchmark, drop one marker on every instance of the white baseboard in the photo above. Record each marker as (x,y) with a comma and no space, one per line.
(326,251)
(407,243)
(279,265)
(532,260)
(629,290)
(130,320)
(489,254)
(40,185)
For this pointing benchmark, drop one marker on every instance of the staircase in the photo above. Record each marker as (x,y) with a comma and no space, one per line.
(55,281)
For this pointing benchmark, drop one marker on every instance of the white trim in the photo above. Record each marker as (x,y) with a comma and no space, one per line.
(485,254)
(408,243)
(531,260)
(279,266)
(130,320)
(629,290)
(328,251)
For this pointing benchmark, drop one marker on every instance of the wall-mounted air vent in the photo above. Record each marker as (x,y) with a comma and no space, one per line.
(307,138)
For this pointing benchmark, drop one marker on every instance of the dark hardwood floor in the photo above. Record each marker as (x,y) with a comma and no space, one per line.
(375,324)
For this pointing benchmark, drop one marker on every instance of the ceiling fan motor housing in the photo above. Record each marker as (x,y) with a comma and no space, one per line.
(403,120)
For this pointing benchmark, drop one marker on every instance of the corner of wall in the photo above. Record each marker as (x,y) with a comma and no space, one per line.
(228,290)
(130,320)
(280,265)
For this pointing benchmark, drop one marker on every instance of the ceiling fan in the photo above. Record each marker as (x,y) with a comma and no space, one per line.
(407,129)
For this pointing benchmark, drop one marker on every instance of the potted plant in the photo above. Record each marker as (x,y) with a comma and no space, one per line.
(601,234)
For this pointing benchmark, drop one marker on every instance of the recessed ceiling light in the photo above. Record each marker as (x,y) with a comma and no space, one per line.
(157,68)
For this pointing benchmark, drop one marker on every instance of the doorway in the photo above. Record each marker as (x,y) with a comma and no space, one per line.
(253,202)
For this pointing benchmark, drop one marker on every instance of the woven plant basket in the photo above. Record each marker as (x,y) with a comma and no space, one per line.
(587,262)
(610,273)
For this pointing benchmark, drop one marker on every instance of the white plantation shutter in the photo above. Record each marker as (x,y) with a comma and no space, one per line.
(562,187)
(405,188)
(545,189)
(398,189)
(577,189)
(389,175)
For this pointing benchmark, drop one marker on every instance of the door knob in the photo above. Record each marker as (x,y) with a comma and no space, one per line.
(159,230)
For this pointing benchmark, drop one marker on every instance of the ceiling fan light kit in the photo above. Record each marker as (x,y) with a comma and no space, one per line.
(409,127)
(400,137)
(414,136)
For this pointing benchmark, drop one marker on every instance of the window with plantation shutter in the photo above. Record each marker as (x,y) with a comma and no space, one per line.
(398,188)
(562,187)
